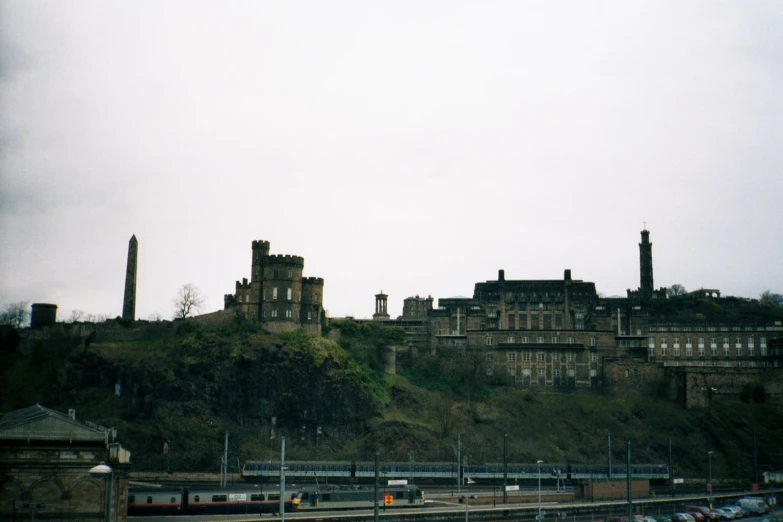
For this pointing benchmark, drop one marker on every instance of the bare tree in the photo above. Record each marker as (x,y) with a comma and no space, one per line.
(675,290)
(15,314)
(155,317)
(770,298)
(76,316)
(189,300)
(447,419)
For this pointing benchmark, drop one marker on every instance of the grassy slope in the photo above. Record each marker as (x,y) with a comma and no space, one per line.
(551,427)
(573,428)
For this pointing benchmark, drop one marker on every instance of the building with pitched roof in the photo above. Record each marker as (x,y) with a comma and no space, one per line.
(45,462)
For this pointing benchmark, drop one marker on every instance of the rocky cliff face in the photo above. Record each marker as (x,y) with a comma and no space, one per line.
(181,394)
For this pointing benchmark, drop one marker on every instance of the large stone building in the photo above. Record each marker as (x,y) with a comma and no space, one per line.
(45,462)
(277,295)
(559,335)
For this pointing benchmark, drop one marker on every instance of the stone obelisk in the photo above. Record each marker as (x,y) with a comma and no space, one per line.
(129,304)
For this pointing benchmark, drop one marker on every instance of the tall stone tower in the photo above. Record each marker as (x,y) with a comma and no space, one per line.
(129,303)
(645,266)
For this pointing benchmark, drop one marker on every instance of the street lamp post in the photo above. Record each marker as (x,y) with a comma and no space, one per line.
(505,470)
(104,471)
(540,517)
(709,472)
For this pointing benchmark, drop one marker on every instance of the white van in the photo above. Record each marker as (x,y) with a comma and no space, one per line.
(755,505)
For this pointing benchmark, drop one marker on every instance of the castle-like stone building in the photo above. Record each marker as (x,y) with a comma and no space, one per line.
(277,295)
(559,335)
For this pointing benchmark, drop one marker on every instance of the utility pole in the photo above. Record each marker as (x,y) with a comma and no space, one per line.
(505,469)
(609,435)
(671,470)
(628,479)
(755,462)
(282,479)
(377,484)
(459,462)
(224,467)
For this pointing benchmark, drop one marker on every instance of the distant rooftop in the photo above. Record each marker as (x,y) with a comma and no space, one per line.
(42,423)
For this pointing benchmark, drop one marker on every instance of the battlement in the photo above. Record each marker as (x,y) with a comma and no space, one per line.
(285,260)
(243,285)
(313,281)
(261,244)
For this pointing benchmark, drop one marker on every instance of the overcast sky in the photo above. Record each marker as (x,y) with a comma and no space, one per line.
(412,147)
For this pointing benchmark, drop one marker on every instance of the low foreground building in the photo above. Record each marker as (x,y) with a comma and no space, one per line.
(46,458)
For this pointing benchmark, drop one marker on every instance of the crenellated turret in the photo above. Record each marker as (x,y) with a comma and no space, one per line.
(278,295)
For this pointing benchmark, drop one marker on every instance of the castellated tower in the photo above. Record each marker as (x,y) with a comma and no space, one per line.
(281,298)
(278,296)
(645,266)
(260,253)
(312,302)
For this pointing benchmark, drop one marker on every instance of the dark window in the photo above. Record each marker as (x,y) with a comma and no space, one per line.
(131,499)
(195,499)
(274,497)
(149,500)
(219,498)
(327,497)
(256,497)
(173,500)
(400,494)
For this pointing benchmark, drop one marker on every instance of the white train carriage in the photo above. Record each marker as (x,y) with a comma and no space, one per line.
(323,499)
(406,470)
(255,470)
(494,472)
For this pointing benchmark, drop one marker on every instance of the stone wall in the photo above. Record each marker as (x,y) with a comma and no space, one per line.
(215,319)
(630,376)
(703,385)
(695,386)
(616,489)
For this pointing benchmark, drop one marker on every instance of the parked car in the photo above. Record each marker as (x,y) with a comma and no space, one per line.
(738,513)
(707,513)
(683,517)
(663,518)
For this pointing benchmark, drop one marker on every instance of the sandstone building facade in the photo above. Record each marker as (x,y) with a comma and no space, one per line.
(560,335)
(45,462)
(277,295)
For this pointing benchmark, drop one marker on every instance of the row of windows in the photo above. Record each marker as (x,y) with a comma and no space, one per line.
(527,372)
(676,352)
(286,313)
(708,328)
(288,294)
(713,341)
(540,340)
(276,274)
(724,364)
(540,356)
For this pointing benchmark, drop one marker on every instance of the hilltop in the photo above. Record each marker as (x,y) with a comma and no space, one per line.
(334,402)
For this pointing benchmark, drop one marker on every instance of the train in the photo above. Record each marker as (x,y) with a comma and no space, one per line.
(443,472)
(313,498)
(196,501)
(773,477)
